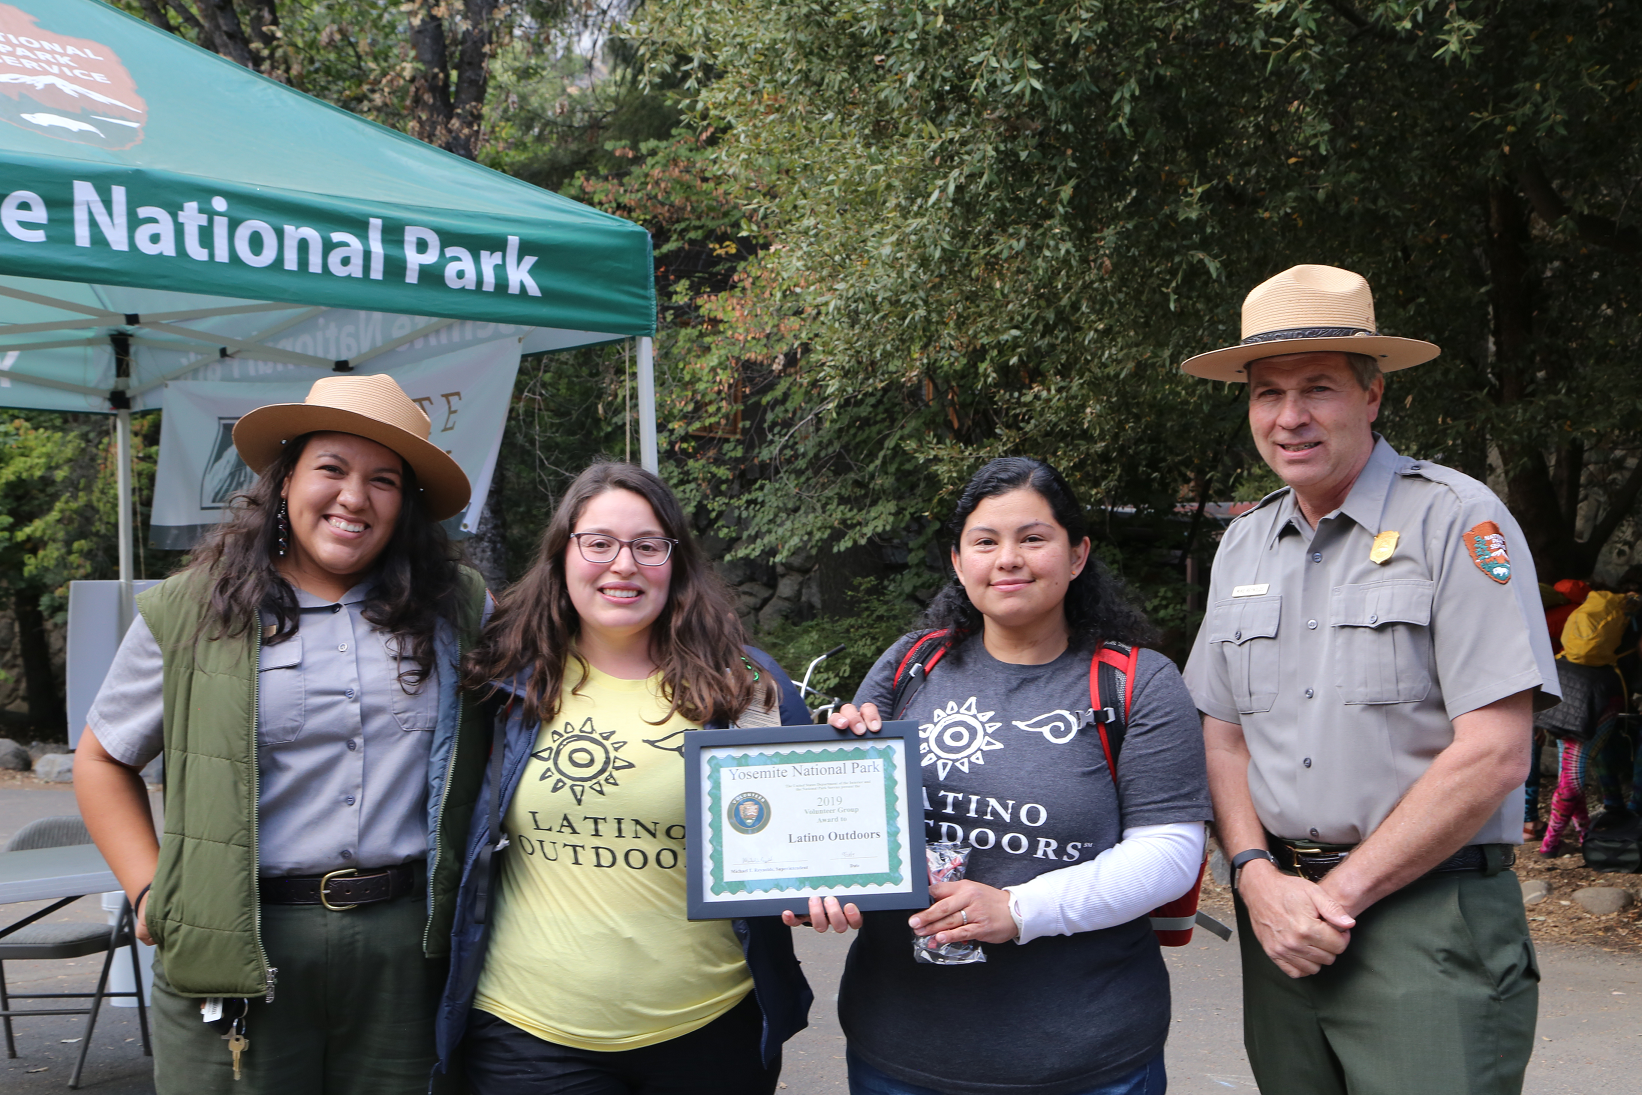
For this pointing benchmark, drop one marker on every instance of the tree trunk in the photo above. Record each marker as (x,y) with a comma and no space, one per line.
(1530,491)
(447,115)
(487,547)
(228,37)
(432,104)
(45,697)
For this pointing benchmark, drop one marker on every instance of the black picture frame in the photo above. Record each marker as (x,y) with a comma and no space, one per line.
(912,892)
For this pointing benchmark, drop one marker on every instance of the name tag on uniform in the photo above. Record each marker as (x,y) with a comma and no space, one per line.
(1251,591)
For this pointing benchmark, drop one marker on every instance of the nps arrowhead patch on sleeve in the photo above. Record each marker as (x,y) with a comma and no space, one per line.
(1486,544)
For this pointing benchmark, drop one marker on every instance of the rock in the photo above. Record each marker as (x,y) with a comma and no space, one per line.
(791,587)
(1219,868)
(752,597)
(1535,890)
(734,571)
(55,768)
(13,756)
(38,749)
(811,596)
(773,613)
(154,770)
(1602,900)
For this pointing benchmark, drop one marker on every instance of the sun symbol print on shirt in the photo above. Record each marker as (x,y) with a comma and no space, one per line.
(957,737)
(582,757)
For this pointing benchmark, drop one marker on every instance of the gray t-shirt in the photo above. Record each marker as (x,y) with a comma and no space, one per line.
(1007,768)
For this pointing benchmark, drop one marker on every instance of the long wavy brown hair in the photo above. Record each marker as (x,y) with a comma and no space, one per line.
(696,641)
(416,574)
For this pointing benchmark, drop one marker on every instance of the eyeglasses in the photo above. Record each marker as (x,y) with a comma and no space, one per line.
(648,551)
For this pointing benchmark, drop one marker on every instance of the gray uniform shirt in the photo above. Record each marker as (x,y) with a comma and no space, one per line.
(1346,673)
(342,746)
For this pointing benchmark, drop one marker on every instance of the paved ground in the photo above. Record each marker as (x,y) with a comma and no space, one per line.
(1590,1028)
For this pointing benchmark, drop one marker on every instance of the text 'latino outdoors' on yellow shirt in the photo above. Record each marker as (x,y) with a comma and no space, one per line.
(589,944)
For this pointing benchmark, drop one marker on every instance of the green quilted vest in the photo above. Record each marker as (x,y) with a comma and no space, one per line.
(204,909)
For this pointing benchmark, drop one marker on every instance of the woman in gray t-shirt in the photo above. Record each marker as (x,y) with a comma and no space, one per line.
(1073,998)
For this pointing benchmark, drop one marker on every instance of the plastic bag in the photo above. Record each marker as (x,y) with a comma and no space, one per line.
(947,862)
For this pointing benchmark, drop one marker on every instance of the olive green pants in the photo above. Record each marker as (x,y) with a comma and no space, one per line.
(352,1014)
(1437,993)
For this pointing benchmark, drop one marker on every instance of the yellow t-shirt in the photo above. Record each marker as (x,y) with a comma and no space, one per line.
(589,944)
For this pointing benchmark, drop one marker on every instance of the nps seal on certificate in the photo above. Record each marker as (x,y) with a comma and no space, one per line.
(749,812)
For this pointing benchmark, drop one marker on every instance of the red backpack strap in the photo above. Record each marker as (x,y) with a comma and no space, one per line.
(919,644)
(910,674)
(1112,670)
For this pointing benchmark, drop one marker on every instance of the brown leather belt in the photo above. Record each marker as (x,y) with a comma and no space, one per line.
(340,890)
(1314,861)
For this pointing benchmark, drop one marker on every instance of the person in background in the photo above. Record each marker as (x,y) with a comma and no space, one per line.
(300,676)
(1559,601)
(1588,721)
(1368,669)
(576,969)
(1572,592)
(1073,998)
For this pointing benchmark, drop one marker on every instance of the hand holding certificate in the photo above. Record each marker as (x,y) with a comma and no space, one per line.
(779,815)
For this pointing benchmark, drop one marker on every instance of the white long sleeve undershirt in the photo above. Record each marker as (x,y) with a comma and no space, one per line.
(1150,866)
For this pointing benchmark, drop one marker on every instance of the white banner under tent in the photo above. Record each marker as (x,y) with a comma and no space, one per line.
(465,392)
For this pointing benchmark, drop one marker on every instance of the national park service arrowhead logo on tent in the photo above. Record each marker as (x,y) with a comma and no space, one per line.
(73,89)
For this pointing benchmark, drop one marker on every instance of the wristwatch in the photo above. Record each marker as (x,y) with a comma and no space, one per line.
(1242,858)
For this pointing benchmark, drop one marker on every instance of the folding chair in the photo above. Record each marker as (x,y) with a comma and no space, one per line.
(27,940)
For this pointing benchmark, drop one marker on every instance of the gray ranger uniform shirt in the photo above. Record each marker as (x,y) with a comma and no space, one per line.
(1344,672)
(342,746)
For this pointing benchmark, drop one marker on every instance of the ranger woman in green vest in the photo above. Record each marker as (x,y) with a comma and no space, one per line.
(299,675)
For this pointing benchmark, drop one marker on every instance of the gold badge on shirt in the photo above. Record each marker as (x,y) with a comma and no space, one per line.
(1385,544)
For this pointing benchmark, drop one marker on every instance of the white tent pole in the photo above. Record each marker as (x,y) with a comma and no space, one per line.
(122,435)
(647,405)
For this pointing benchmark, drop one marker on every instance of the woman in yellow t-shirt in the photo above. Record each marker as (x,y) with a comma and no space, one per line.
(580,973)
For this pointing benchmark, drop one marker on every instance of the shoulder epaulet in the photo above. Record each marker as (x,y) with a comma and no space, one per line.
(1464,486)
(1274,496)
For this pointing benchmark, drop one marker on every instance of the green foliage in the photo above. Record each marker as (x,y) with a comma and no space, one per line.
(59,506)
(997,227)
(876,618)
(569,409)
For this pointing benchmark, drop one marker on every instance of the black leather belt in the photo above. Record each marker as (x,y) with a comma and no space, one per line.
(1314,861)
(340,890)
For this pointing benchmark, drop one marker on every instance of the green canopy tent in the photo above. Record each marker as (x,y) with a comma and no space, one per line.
(168,215)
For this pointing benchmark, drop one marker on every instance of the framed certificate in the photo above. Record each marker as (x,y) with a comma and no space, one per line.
(780,814)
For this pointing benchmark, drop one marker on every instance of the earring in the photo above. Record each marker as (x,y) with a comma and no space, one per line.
(282,528)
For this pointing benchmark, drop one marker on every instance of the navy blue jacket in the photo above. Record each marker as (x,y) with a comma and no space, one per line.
(779,986)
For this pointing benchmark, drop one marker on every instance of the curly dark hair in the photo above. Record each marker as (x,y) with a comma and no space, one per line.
(1098,606)
(416,574)
(695,641)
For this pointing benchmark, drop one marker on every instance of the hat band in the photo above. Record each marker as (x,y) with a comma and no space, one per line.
(1292,333)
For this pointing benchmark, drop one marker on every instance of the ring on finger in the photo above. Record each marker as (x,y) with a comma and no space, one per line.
(965,914)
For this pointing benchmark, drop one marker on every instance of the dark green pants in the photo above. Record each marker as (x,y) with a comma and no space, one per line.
(352,1015)
(1437,993)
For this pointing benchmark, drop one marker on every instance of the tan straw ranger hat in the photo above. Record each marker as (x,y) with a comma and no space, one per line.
(1305,309)
(374,407)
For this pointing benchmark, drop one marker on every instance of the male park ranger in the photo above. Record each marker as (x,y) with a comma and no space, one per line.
(1368,672)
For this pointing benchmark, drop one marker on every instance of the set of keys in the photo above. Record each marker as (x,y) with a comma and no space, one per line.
(211,1010)
(237,1042)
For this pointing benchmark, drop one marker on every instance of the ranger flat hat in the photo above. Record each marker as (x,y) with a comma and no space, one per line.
(1305,309)
(373,407)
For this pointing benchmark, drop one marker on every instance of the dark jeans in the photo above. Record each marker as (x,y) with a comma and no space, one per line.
(353,1013)
(720,1058)
(1149,1079)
